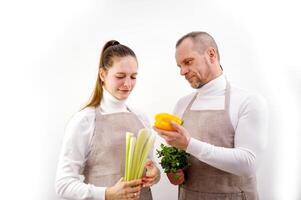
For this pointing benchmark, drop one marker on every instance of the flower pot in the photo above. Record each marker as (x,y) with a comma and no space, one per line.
(176,178)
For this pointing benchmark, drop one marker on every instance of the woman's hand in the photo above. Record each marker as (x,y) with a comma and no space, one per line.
(124,190)
(152,174)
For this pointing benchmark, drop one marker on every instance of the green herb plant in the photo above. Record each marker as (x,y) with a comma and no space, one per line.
(172,158)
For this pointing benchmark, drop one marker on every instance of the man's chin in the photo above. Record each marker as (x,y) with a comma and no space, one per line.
(195,85)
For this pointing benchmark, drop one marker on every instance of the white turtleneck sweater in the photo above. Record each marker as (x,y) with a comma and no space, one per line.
(76,147)
(248,114)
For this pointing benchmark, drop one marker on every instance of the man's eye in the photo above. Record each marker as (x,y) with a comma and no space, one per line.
(133,77)
(120,77)
(188,62)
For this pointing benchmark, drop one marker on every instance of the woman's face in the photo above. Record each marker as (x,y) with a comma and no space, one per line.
(120,79)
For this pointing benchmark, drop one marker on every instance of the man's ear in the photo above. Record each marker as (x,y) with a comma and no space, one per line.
(102,74)
(212,54)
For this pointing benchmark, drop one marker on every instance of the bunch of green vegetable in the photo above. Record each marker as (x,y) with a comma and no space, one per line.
(137,150)
(172,158)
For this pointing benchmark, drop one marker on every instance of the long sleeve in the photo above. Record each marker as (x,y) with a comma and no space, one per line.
(249,141)
(248,114)
(76,146)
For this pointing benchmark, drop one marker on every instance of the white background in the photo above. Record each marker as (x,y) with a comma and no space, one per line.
(49,56)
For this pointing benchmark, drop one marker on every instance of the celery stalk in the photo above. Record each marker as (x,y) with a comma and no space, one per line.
(130,158)
(142,138)
(145,153)
(137,150)
(128,141)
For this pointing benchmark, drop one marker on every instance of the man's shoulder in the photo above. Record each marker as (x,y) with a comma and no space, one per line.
(247,98)
(243,93)
(182,103)
(184,100)
(187,97)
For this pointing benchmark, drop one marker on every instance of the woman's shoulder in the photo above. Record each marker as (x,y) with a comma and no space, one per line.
(83,117)
(140,114)
(137,111)
(80,126)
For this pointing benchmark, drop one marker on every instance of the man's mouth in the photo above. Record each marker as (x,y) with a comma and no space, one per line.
(189,78)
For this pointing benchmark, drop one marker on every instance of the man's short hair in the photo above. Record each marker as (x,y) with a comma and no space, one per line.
(201,41)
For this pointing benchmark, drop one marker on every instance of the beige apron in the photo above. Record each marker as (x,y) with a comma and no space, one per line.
(106,161)
(204,182)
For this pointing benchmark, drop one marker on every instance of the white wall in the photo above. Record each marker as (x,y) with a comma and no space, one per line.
(49,55)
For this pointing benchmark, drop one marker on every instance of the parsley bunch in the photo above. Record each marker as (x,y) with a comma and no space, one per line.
(172,158)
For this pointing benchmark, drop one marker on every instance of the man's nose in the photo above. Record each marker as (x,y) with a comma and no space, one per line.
(183,71)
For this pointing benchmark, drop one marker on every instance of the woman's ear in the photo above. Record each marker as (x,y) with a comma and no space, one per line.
(102,74)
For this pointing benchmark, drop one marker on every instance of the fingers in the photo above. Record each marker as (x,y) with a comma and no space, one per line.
(136,195)
(149,163)
(179,138)
(168,136)
(133,192)
(163,132)
(167,139)
(133,196)
(151,176)
(135,189)
(133,183)
(171,140)
(176,126)
(150,167)
(151,171)
(148,178)
(147,182)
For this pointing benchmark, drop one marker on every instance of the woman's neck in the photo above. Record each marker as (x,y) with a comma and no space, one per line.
(110,104)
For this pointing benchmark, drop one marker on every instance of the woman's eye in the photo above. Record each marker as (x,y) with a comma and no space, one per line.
(120,77)
(133,77)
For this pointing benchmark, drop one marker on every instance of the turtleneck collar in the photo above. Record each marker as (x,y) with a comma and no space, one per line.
(109,104)
(214,86)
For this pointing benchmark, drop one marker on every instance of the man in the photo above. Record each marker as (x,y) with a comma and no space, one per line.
(224,127)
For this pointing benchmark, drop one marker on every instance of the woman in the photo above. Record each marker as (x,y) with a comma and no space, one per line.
(94,145)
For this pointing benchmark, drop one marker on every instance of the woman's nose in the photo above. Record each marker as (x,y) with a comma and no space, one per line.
(128,82)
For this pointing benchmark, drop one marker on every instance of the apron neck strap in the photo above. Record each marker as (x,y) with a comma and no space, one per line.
(227,97)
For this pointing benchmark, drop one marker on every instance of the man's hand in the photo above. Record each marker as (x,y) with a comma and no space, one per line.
(178,138)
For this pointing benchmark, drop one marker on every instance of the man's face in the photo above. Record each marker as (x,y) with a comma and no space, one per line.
(193,65)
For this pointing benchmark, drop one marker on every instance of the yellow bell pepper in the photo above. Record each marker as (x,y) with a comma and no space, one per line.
(162,121)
